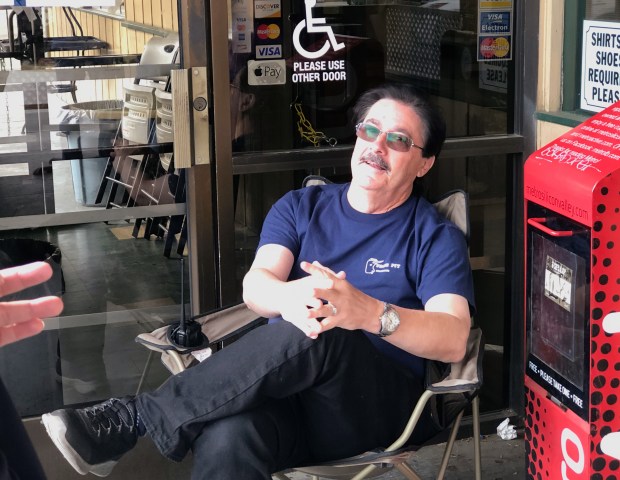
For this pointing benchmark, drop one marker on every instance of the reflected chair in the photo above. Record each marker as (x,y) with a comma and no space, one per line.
(137,126)
(450,388)
(167,184)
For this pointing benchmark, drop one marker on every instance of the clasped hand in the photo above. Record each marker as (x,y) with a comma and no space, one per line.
(324,300)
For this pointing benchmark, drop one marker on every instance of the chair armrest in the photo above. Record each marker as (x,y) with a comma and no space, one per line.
(218,326)
(466,375)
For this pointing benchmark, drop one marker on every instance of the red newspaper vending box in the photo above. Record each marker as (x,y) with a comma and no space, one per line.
(572,289)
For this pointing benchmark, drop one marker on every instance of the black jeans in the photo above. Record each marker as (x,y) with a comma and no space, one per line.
(276,399)
(18,459)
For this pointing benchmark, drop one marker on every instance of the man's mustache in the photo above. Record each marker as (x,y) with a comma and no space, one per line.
(372,158)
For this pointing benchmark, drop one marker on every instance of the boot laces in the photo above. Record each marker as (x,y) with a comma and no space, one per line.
(111,413)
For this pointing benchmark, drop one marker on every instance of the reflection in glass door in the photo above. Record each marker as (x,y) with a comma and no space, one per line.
(88,183)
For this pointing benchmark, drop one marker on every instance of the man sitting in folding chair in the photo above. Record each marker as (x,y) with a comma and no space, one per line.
(369,279)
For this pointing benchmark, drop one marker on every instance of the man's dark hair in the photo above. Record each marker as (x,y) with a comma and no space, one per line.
(434,124)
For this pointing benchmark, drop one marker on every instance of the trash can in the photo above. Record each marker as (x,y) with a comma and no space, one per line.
(97,124)
(19,251)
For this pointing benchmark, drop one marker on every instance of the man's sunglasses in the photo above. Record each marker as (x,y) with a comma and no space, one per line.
(395,140)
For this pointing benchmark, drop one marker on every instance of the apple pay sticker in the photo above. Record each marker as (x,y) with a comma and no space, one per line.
(266,72)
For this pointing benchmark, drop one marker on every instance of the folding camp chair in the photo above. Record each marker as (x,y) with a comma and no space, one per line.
(450,388)
(449,396)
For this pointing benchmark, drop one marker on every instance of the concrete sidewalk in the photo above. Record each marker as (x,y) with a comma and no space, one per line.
(501,460)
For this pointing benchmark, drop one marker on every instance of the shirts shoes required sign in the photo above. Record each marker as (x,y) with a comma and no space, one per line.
(600,65)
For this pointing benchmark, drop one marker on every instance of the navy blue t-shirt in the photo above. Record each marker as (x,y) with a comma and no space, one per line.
(404,256)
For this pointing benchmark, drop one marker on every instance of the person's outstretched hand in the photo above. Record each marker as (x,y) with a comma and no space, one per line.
(22,318)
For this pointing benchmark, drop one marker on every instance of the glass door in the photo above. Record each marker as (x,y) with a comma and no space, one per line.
(89,183)
(290,73)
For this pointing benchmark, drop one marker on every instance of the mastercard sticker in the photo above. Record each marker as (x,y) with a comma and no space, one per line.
(267,31)
(494,48)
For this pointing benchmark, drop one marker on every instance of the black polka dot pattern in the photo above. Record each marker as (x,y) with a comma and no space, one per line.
(533,441)
(544,420)
(605,352)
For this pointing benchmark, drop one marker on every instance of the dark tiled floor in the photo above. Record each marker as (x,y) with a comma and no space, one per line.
(109,271)
(25,196)
(114,289)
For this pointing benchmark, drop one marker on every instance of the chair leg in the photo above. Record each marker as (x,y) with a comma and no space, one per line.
(475,408)
(144,372)
(136,227)
(363,474)
(407,471)
(449,445)
(182,238)
(175,226)
(104,182)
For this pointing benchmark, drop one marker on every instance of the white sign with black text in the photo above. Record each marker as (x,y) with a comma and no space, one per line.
(600,65)
(493,76)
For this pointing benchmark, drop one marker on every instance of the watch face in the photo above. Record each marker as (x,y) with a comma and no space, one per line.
(389,321)
(392,320)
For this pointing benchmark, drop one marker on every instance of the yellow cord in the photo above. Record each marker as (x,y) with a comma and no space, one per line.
(307,131)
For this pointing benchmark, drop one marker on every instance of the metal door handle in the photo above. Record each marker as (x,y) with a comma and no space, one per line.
(190,115)
(539,224)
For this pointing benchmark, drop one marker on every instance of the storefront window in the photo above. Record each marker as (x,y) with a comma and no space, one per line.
(590,63)
(606,10)
(298,67)
(86,140)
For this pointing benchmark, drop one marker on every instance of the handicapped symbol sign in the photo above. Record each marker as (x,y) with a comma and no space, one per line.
(315,25)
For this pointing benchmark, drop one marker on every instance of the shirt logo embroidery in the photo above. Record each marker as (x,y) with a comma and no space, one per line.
(376,266)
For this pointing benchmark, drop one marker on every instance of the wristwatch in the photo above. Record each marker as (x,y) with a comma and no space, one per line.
(389,320)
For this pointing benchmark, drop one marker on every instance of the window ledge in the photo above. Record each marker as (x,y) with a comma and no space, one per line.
(567,119)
